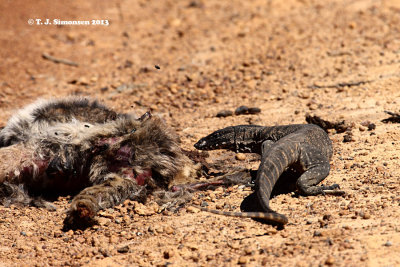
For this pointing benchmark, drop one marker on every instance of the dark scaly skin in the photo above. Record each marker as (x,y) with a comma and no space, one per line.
(304,148)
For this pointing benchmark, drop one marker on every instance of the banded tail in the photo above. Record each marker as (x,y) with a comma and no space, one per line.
(271,217)
(275,159)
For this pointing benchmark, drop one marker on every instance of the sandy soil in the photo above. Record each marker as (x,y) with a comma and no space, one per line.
(339,60)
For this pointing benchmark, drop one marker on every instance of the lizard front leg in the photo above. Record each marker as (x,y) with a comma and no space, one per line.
(113,191)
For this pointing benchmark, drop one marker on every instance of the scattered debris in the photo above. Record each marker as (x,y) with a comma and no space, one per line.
(337,53)
(370,126)
(128,64)
(224,113)
(317,233)
(59,60)
(195,4)
(242,110)
(388,244)
(395,117)
(348,137)
(123,249)
(318,85)
(340,127)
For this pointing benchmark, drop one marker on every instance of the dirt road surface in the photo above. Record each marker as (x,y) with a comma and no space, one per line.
(339,60)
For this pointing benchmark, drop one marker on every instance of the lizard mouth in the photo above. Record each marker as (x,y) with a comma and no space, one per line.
(200,144)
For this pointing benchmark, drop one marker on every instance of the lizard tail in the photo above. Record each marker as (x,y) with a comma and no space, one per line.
(271,217)
(274,161)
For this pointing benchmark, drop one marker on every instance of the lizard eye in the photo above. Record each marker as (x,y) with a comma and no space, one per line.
(133,130)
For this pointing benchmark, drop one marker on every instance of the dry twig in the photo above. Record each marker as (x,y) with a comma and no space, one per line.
(59,60)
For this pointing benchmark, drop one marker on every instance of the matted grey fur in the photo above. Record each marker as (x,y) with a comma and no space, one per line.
(77,146)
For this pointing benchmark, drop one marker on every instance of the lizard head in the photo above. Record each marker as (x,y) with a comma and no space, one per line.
(220,139)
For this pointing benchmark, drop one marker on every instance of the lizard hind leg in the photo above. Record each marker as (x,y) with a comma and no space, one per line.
(307,182)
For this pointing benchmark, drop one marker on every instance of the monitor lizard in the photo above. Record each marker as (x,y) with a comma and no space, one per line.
(304,148)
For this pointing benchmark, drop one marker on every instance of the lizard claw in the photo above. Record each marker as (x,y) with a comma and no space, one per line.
(334,186)
(333,192)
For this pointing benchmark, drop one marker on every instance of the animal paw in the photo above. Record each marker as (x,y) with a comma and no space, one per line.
(80,215)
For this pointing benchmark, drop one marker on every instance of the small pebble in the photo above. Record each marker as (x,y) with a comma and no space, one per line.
(371,126)
(192,209)
(317,233)
(365,215)
(113,239)
(159,229)
(388,244)
(58,234)
(240,156)
(124,249)
(329,241)
(249,251)
(168,230)
(224,113)
(168,254)
(241,110)
(242,260)
(347,138)
(204,204)
(103,221)
(254,110)
(219,206)
(330,260)
(209,257)
(105,252)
